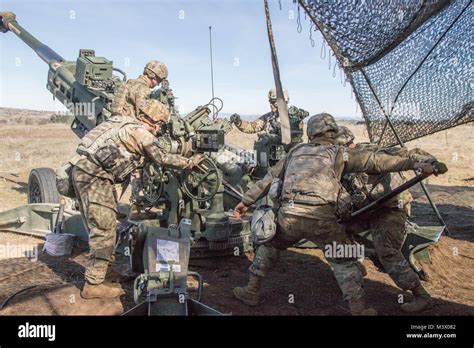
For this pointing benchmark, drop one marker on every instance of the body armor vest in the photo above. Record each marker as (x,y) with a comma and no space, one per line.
(103,147)
(310,177)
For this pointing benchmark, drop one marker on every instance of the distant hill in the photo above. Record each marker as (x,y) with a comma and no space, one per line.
(351,119)
(13,115)
(32,117)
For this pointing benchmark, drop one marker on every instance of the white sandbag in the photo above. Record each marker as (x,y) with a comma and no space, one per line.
(59,244)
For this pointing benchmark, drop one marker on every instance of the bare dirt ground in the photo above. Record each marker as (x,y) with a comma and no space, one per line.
(302,274)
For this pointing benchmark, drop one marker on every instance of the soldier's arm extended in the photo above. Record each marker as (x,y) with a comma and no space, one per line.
(251,127)
(420,155)
(141,142)
(362,161)
(415,154)
(261,187)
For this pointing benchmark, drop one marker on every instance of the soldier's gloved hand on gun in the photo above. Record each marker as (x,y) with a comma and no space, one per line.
(195,160)
(235,119)
(428,168)
(439,168)
(240,210)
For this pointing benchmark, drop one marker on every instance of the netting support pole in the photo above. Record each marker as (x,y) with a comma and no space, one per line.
(392,126)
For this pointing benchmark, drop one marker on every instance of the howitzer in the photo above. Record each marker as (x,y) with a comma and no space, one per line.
(85,86)
(204,194)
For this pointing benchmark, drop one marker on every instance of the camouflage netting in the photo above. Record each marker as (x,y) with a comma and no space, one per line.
(410,60)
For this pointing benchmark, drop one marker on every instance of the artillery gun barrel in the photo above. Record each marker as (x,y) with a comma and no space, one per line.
(8,23)
(85,86)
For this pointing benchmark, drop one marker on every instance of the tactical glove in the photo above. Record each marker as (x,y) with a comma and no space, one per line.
(439,168)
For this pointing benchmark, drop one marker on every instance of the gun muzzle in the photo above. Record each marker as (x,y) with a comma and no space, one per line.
(8,23)
(5,19)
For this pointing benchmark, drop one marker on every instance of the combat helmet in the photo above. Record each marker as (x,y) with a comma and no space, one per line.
(157,68)
(154,111)
(345,136)
(322,124)
(272,95)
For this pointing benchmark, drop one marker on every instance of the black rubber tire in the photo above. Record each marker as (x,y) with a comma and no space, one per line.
(42,186)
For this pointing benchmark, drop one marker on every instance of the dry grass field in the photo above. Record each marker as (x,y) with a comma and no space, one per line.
(28,142)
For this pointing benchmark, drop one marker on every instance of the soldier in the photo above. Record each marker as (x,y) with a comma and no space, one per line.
(345,137)
(126,101)
(387,223)
(130,94)
(270,122)
(309,186)
(269,148)
(107,155)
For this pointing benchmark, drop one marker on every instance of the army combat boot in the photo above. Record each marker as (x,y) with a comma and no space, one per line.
(101,291)
(250,295)
(357,307)
(421,302)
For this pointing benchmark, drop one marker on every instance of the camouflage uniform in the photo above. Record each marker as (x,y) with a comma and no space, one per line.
(387,224)
(107,155)
(311,176)
(129,95)
(270,123)
(134,92)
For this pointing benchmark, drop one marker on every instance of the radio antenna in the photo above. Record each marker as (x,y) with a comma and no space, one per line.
(212,71)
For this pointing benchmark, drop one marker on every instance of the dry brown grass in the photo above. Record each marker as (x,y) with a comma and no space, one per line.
(25,147)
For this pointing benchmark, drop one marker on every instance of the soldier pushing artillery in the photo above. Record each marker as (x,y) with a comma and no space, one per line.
(310,205)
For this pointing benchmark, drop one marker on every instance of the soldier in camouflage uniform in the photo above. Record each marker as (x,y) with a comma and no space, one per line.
(268,147)
(107,155)
(269,123)
(133,92)
(345,137)
(309,187)
(127,98)
(387,223)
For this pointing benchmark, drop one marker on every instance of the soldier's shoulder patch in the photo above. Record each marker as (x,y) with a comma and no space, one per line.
(345,156)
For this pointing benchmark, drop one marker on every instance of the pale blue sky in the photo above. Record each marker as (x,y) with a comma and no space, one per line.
(176,32)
